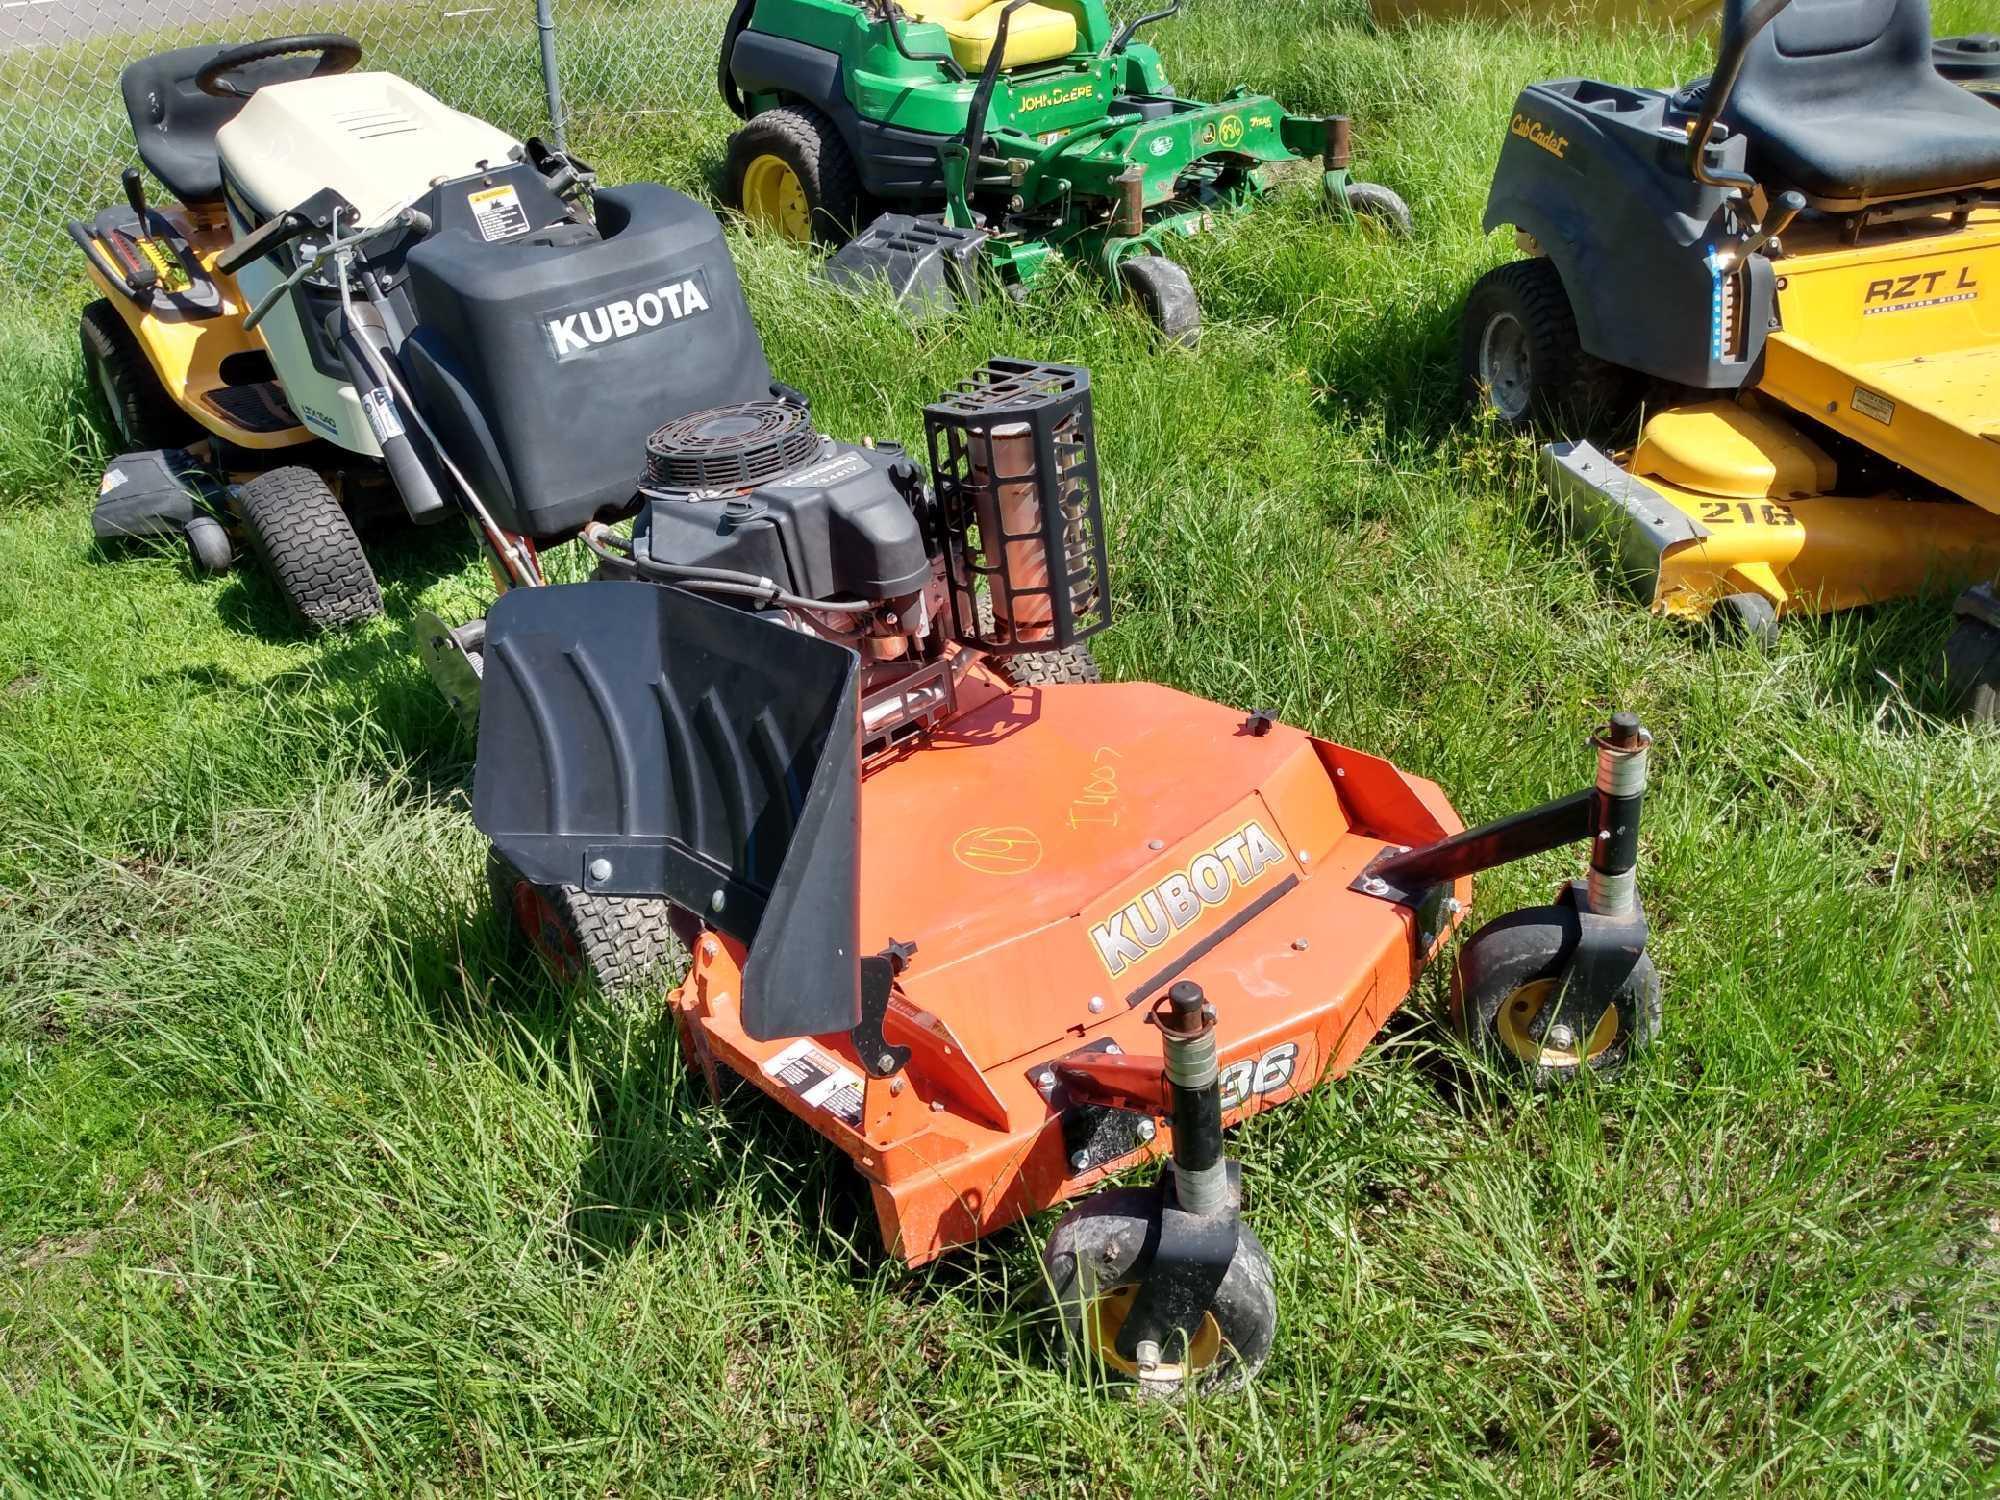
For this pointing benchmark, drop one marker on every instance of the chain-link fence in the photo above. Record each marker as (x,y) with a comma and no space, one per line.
(64,137)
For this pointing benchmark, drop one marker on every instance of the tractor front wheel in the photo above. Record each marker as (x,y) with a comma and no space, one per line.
(615,942)
(1972,670)
(1164,293)
(1383,207)
(1513,967)
(1092,1266)
(307,544)
(789,172)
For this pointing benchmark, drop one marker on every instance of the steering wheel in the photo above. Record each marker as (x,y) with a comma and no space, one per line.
(337,53)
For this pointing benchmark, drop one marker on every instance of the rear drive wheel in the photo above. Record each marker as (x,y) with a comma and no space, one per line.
(789,171)
(1972,670)
(308,546)
(1162,289)
(1383,207)
(1090,1263)
(1520,355)
(208,546)
(1512,967)
(138,404)
(1049,668)
(616,942)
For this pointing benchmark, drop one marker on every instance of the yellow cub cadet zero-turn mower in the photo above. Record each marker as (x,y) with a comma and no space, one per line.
(1804,251)
(366,302)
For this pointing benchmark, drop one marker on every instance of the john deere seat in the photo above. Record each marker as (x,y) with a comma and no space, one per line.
(1839,99)
(1036,34)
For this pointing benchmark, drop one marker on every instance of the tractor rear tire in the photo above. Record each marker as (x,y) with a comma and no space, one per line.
(1521,357)
(1164,293)
(1089,1265)
(308,546)
(788,170)
(1383,207)
(1049,668)
(141,411)
(1972,670)
(1511,967)
(615,942)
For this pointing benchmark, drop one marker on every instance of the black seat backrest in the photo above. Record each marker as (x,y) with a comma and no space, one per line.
(174,123)
(1819,52)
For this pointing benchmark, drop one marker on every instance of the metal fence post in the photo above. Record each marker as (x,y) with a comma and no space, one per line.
(545,24)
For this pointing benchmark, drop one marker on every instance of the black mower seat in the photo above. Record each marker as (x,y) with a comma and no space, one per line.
(174,123)
(1840,99)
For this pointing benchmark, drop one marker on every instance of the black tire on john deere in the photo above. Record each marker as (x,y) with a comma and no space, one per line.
(140,409)
(1049,668)
(1089,1265)
(1511,968)
(615,942)
(308,546)
(1521,358)
(1164,293)
(788,170)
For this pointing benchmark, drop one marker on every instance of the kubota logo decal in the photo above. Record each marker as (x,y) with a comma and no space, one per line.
(1163,909)
(1535,133)
(607,322)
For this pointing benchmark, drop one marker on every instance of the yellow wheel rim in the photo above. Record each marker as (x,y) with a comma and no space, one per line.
(1106,1316)
(774,198)
(1517,1015)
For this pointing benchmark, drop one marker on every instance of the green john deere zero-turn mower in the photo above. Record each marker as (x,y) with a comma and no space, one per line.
(1000,134)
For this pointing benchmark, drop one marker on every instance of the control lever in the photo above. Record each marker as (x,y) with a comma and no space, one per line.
(1790,204)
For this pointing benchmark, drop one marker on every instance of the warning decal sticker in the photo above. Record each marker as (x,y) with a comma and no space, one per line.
(497,210)
(1881,408)
(820,1079)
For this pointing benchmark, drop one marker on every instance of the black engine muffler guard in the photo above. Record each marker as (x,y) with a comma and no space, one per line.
(639,741)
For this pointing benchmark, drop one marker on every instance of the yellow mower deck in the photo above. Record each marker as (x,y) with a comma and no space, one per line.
(1894,343)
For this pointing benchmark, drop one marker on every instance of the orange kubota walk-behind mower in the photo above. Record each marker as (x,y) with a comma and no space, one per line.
(992,926)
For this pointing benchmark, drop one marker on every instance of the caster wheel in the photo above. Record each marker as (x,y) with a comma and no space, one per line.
(1090,1261)
(208,546)
(1376,205)
(1163,291)
(1749,618)
(1972,670)
(1511,968)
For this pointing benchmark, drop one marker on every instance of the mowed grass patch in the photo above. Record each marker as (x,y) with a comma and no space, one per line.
(308,1183)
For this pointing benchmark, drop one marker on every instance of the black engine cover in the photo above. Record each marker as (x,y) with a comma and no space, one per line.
(544,359)
(840,527)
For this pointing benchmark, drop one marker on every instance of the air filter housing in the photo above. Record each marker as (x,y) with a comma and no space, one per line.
(731,447)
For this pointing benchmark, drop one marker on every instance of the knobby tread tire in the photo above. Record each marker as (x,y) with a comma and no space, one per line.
(308,546)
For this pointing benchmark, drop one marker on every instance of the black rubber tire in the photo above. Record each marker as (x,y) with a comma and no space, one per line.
(1521,948)
(810,144)
(1093,1250)
(1164,293)
(208,547)
(1749,618)
(1972,671)
(141,411)
(1551,379)
(1048,668)
(618,943)
(308,546)
(1381,206)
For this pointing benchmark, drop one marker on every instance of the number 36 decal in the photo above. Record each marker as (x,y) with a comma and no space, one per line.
(1259,1075)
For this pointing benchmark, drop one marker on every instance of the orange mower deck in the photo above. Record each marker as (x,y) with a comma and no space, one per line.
(1149,837)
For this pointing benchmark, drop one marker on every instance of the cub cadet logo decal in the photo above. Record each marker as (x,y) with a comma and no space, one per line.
(1259,1075)
(1049,98)
(1919,289)
(608,322)
(1535,133)
(998,851)
(1144,924)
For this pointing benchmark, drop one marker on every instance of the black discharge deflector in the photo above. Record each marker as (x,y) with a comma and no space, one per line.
(636,740)
(1020,521)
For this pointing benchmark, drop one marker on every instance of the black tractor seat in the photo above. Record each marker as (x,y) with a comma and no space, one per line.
(1840,99)
(174,123)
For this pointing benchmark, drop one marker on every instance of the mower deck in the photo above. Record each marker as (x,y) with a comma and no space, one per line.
(1157,837)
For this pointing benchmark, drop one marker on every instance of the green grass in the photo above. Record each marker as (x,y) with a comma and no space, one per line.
(306,1186)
